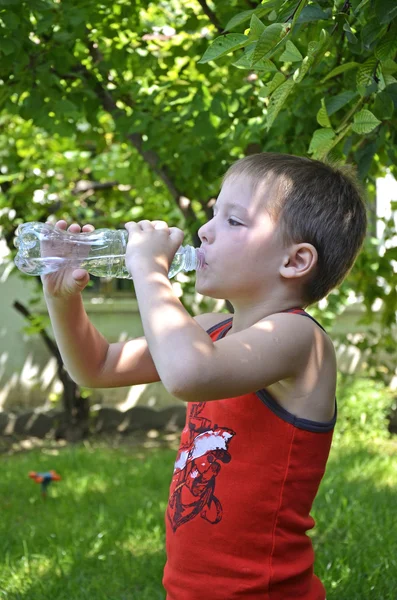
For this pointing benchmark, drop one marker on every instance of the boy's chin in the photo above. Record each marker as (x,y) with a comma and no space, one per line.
(206,290)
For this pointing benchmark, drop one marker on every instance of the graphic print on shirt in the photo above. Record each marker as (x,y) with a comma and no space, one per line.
(203,448)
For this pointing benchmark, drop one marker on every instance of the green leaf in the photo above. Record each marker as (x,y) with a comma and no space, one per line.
(245,16)
(341,69)
(322,116)
(365,121)
(256,28)
(321,141)
(365,73)
(371,32)
(389,80)
(391,254)
(268,40)
(389,67)
(313,48)
(11,20)
(386,10)
(337,102)
(313,13)
(244,62)
(239,19)
(268,89)
(303,69)
(277,100)
(364,157)
(360,6)
(287,9)
(349,33)
(65,107)
(384,105)
(224,45)
(10,177)
(387,47)
(7,46)
(291,53)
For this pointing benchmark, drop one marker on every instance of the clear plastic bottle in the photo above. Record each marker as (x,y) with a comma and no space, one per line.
(44,248)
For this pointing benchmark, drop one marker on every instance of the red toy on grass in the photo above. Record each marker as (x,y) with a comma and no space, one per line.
(45,479)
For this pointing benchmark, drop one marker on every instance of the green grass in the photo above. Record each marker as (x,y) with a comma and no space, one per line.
(355,511)
(99,535)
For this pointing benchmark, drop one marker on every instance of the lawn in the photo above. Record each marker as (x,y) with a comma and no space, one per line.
(99,534)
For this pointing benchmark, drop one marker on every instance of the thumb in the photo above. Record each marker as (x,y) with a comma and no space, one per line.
(81,278)
(176,235)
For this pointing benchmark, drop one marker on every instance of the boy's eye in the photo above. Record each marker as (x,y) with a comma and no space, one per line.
(233,223)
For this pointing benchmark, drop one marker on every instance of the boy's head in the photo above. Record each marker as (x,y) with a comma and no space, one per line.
(311,202)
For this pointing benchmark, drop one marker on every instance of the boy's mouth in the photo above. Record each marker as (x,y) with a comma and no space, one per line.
(200,259)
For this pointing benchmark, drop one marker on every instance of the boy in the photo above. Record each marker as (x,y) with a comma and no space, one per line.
(260,385)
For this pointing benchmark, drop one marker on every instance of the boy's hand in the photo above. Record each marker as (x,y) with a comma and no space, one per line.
(151,244)
(65,282)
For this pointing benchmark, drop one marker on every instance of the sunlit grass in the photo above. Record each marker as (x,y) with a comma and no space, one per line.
(355,538)
(99,535)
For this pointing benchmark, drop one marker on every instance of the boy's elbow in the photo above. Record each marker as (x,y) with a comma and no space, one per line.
(184,388)
(83,381)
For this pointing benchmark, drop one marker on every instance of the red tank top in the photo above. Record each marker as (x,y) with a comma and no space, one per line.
(244,481)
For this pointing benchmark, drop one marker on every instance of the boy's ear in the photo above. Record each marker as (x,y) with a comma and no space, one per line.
(300,261)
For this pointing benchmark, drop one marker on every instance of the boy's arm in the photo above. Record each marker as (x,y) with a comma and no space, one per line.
(131,363)
(196,369)
(81,346)
(90,359)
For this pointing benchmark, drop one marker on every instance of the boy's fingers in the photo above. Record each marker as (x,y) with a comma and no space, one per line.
(145,225)
(61,224)
(74,228)
(131,226)
(176,235)
(160,225)
(81,278)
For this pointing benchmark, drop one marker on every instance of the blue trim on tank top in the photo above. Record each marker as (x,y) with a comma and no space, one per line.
(306,424)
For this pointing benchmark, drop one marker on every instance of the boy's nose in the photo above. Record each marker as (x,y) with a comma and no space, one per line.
(204,233)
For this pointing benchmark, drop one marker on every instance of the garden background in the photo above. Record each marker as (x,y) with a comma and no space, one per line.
(117,111)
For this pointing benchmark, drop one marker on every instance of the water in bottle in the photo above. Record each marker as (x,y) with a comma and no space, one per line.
(44,248)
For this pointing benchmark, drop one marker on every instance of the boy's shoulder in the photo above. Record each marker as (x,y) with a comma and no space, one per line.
(297,320)
(287,353)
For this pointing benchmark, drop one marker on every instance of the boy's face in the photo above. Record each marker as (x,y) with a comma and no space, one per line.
(242,245)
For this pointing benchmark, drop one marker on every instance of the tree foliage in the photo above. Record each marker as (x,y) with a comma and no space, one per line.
(112,111)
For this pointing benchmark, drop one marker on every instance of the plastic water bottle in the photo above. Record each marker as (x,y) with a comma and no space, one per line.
(44,248)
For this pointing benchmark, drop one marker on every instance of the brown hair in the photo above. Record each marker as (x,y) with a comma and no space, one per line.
(314,202)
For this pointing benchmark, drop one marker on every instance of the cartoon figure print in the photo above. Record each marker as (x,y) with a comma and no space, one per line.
(203,448)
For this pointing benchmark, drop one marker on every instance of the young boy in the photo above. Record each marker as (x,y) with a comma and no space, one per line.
(259,385)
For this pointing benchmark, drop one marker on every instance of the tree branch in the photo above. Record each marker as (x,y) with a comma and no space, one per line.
(210,14)
(109,104)
(51,345)
(136,139)
(83,186)
(76,407)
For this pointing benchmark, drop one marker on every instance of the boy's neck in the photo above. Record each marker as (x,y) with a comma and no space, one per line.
(247,315)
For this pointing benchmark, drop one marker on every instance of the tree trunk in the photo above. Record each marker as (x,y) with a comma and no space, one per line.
(75,425)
